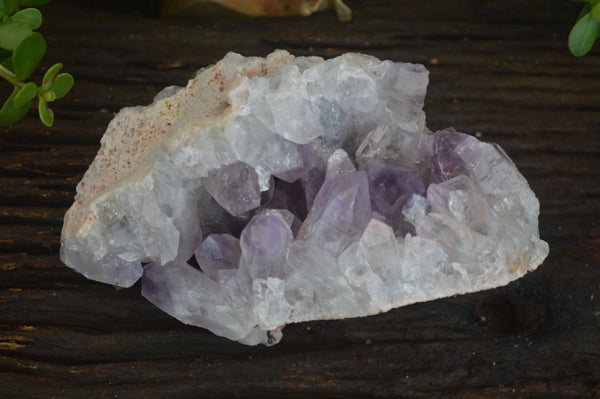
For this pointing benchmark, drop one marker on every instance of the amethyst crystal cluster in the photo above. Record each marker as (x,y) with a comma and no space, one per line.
(285,189)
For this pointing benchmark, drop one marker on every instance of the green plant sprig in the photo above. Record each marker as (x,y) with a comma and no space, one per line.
(586,29)
(21,50)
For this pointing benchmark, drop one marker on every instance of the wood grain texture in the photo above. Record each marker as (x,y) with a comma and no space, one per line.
(499,68)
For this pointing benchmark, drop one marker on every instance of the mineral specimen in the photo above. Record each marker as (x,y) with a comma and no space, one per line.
(285,189)
(255,8)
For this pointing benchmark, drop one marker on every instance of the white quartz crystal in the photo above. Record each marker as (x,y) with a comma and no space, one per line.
(283,189)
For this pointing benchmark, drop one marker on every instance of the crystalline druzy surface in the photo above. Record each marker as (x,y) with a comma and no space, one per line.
(285,189)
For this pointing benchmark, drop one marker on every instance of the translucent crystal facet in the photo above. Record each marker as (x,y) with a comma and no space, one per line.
(218,252)
(283,189)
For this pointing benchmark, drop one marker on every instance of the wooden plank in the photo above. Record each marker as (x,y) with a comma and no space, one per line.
(31,191)
(501,69)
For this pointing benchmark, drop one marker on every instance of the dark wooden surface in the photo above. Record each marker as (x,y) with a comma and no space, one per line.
(500,68)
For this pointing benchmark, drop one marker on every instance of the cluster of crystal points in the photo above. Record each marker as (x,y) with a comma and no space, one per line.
(287,189)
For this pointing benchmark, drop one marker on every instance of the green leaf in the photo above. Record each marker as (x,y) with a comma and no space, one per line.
(25,94)
(8,7)
(10,112)
(51,73)
(30,17)
(62,84)
(583,35)
(49,96)
(30,3)
(46,114)
(12,33)
(28,55)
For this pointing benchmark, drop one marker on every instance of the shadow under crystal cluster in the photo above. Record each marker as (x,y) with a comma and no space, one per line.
(283,189)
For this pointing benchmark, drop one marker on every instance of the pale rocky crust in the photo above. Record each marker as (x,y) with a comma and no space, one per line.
(285,189)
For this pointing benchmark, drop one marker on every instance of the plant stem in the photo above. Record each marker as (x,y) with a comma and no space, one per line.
(11,77)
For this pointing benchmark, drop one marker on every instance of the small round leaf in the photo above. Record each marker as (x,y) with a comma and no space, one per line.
(10,112)
(46,114)
(62,84)
(12,33)
(583,35)
(26,94)
(51,73)
(28,55)
(49,96)
(31,17)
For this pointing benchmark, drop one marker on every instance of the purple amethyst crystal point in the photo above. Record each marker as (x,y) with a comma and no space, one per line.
(397,164)
(312,186)
(218,252)
(248,135)
(264,245)
(339,163)
(339,214)
(308,160)
(319,192)
(447,157)
(235,187)
(291,219)
(151,288)
(460,198)
(198,300)
(391,185)
(396,146)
